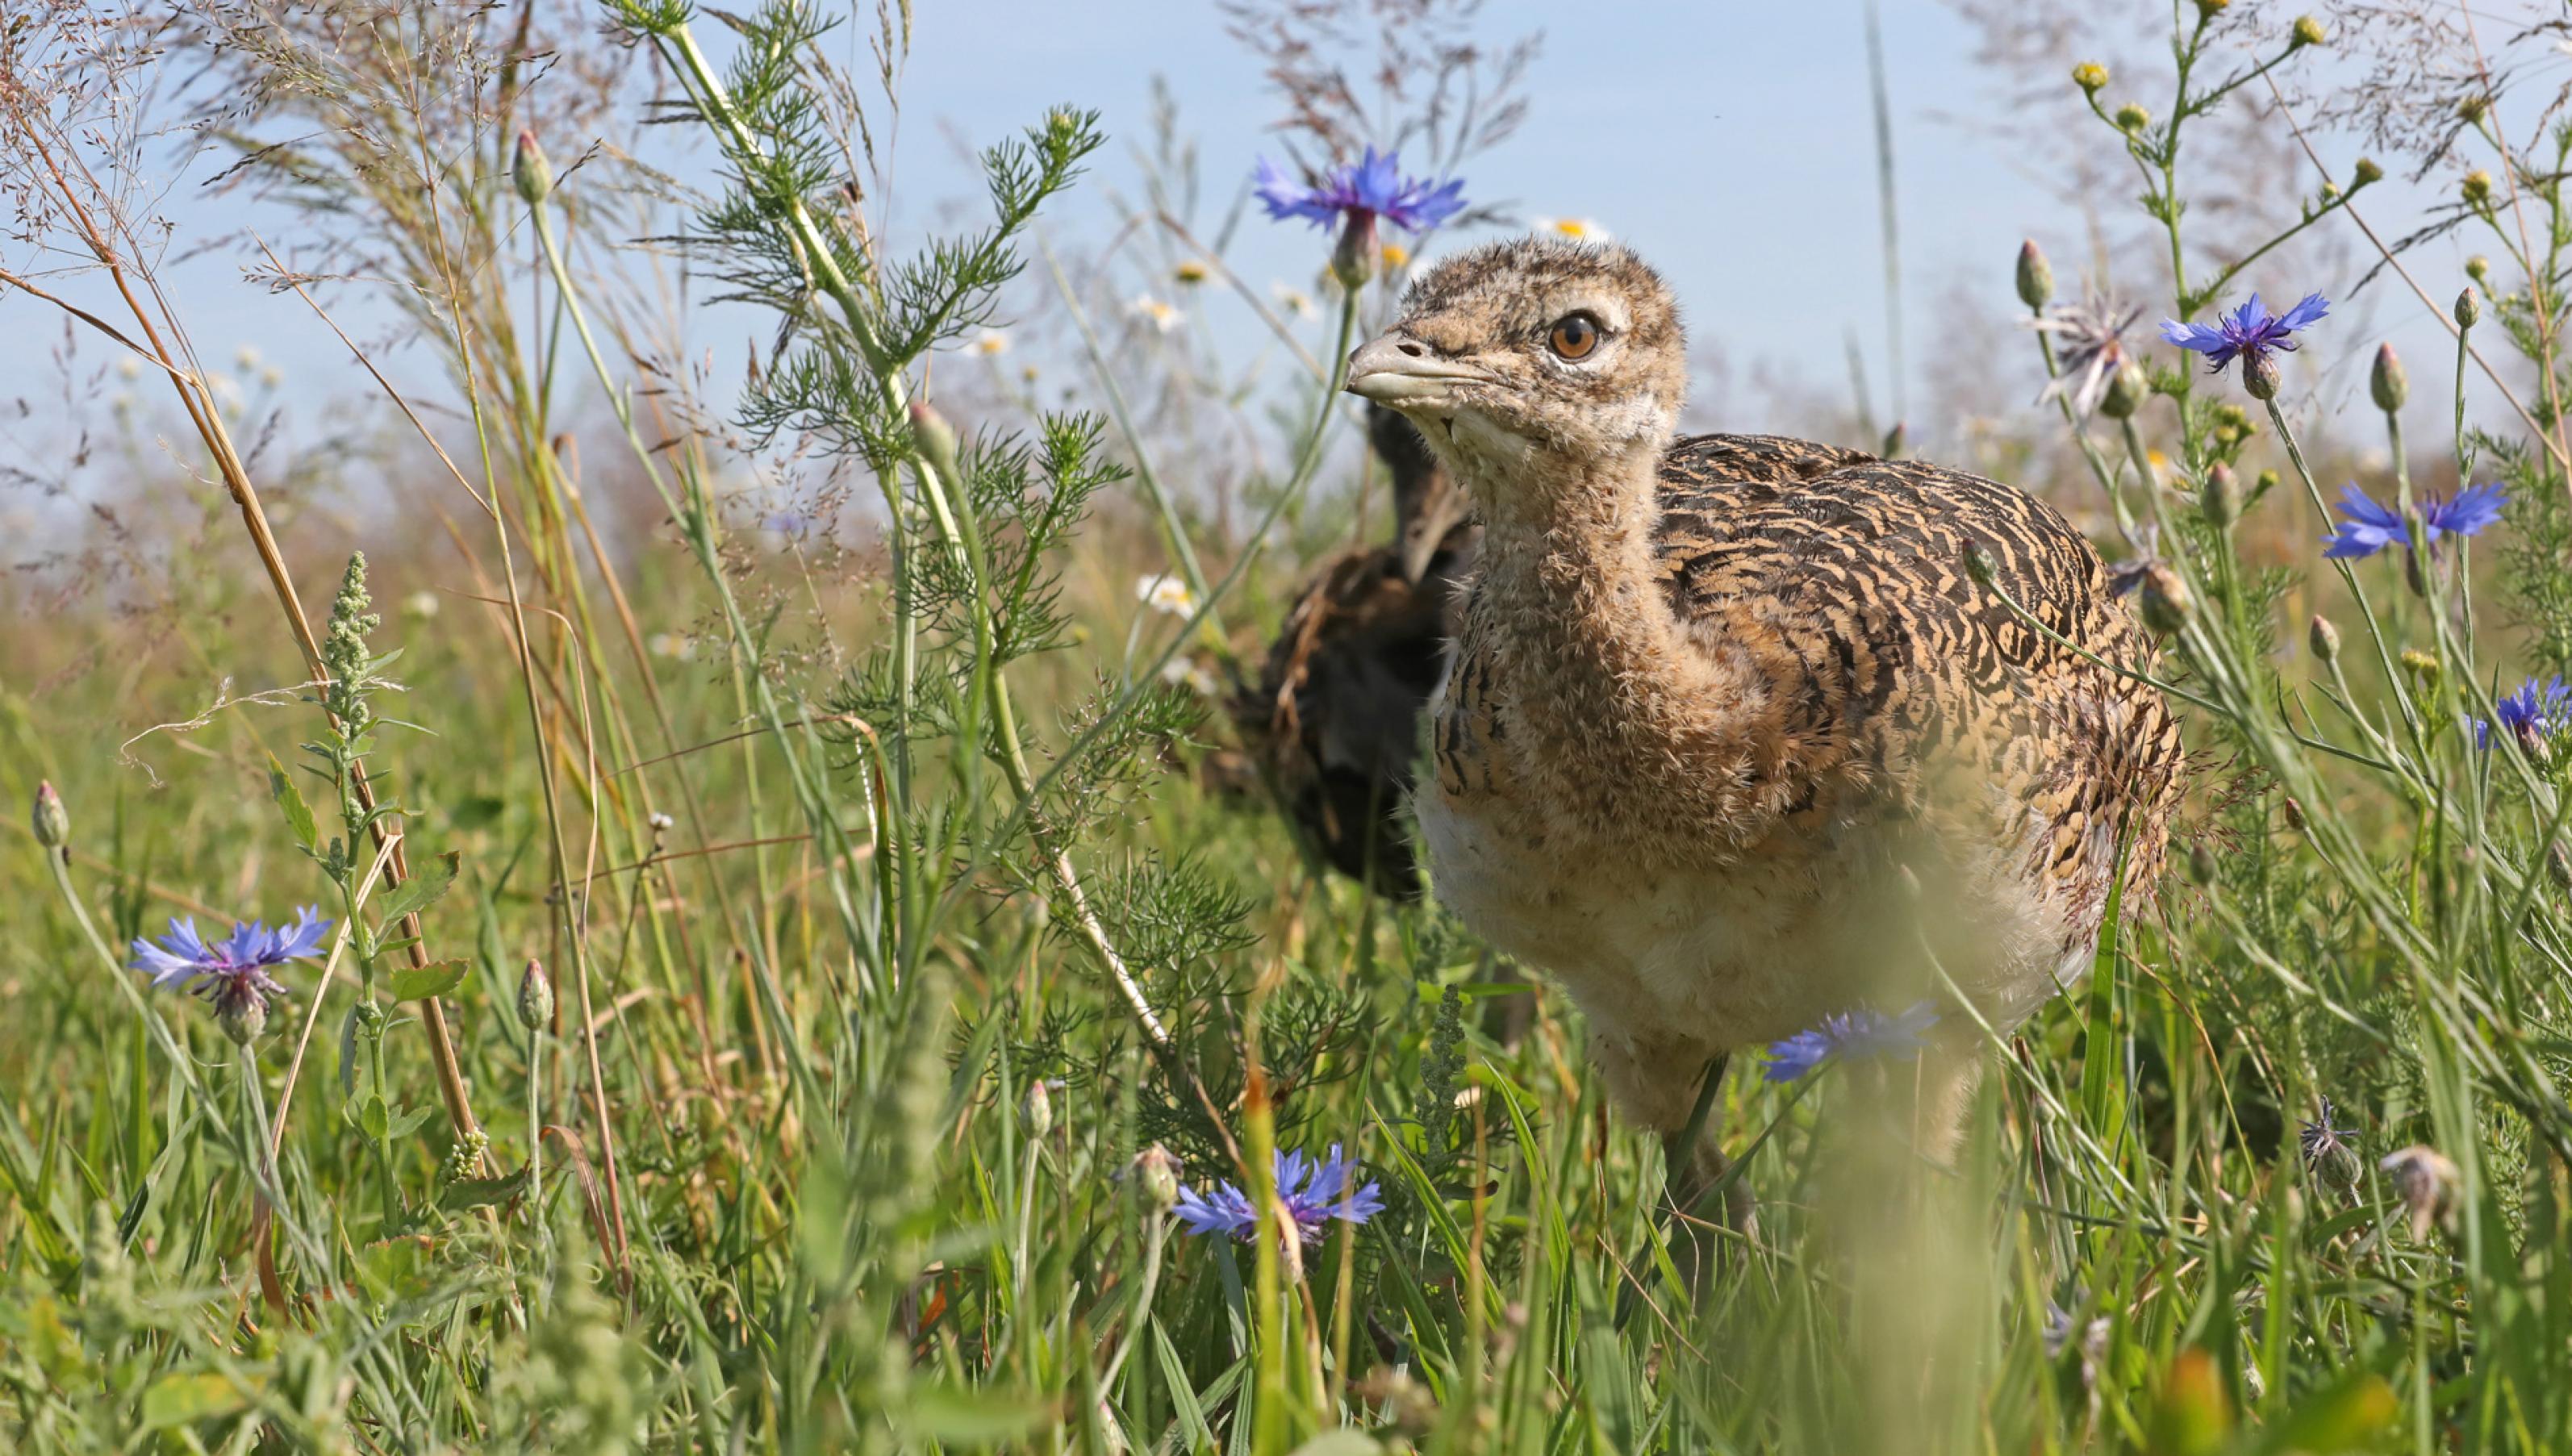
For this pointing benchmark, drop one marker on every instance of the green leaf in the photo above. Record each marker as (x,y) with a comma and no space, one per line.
(419,983)
(427,883)
(464,1194)
(369,1116)
(290,801)
(185,1399)
(406,1123)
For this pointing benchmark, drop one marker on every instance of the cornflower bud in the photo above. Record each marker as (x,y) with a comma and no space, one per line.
(1035,1110)
(2324,640)
(529,173)
(1353,260)
(53,825)
(1156,1172)
(2367,171)
(2167,606)
(1978,564)
(2131,118)
(934,439)
(2124,393)
(2219,498)
(2035,275)
(2469,307)
(535,997)
(2259,378)
(2294,813)
(2309,31)
(2090,76)
(243,1018)
(2389,386)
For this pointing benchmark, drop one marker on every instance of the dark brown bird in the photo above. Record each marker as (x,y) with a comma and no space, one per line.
(1335,716)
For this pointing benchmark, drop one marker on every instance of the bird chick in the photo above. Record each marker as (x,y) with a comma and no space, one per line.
(1730,741)
(1335,716)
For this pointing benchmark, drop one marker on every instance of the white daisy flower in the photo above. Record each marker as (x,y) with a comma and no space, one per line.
(1294,301)
(1578,230)
(989,341)
(1160,316)
(1166,593)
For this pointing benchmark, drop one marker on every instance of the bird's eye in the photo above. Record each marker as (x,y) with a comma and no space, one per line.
(1574,335)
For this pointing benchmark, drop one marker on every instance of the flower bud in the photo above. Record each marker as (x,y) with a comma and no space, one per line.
(2388,384)
(535,997)
(934,439)
(2415,575)
(2132,117)
(1978,564)
(2309,31)
(243,1018)
(2219,498)
(529,173)
(2424,670)
(1353,260)
(2209,9)
(2478,268)
(2260,377)
(2035,275)
(2367,171)
(2166,605)
(2469,307)
(2090,76)
(2294,813)
(2471,110)
(53,825)
(2200,863)
(1156,1172)
(2477,188)
(2324,640)
(2123,394)
(1035,1110)
(1896,441)
(2260,489)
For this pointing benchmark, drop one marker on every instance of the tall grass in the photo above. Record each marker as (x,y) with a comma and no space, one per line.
(750,1056)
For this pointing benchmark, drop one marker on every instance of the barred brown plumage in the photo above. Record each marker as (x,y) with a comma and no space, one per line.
(1717,704)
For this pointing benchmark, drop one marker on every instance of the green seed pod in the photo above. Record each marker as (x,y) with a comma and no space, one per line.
(535,997)
(2469,307)
(529,173)
(2259,378)
(2219,498)
(2324,640)
(53,825)
(2035,275)
(2389,386)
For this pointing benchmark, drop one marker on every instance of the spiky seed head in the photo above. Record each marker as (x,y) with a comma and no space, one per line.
(535,997)
(2324,639)
(530,171)
(2469,307)
(2035,275)
(2387,384)
(53,824)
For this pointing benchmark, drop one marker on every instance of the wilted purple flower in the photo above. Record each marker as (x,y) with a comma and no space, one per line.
(1313,1192)
(2371,527)
(1851,1036)
(2328,1148)
(2533,711)
(2092,337)
(234,970)
(2250,330)
(1373,186)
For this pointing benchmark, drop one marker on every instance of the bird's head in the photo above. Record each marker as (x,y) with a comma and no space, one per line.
(1518,359)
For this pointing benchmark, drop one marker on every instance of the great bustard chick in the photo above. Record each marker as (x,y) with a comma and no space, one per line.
(1730,741)
(1336,712)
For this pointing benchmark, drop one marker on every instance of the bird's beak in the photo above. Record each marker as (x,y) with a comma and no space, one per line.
(1398,370)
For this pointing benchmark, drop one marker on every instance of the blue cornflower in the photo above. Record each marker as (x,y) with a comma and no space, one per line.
(234,970)
(1313,1192)
(2534,711)
(2371,527)
(1374,186)
(2248,330)
(1851,1036)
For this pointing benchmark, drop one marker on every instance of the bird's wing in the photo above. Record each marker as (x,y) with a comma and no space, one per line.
(1843,576)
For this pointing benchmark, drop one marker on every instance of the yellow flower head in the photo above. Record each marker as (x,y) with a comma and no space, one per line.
(1194,271)
(990,342)
(1578,230)
(1395,256)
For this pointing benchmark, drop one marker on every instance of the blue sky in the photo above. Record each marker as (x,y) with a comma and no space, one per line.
(1732,145)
